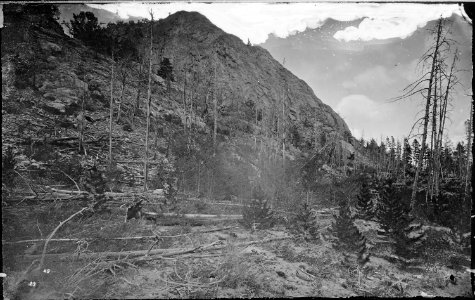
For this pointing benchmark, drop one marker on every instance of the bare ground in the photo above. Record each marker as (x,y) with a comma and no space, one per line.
(230,268)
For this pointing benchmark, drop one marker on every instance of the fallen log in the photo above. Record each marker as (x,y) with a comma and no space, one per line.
(137,162)
(68,192)
(152,255)
(117,238)
(202,216)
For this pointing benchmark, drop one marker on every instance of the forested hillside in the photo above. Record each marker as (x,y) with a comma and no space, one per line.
(177,124)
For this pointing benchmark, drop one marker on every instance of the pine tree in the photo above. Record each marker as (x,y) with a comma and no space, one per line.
(349,237)
(258,213)
(416,149)
(365,202)
(407,158)
(393,214)
(305,223)
(166,72)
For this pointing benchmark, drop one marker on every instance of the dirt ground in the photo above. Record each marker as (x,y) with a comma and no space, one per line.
(237,263)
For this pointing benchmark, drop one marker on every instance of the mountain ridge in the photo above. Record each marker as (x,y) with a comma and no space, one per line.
(230,106)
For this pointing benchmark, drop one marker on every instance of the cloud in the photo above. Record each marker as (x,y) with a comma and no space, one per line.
(358,106)
(362,114)
(377,75)
(394,21)
(257,21)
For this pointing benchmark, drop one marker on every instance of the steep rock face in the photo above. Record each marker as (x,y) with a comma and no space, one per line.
(246,76)
(47,76)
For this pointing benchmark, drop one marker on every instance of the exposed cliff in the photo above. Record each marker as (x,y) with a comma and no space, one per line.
(261,109)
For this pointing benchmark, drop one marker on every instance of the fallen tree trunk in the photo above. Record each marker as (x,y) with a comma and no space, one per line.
(118,238)
(201,216)
(152,255)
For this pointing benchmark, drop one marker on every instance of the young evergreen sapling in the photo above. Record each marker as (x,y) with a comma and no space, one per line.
(305,223)
(258,214)
(349,237)
(397,223)
(364,205)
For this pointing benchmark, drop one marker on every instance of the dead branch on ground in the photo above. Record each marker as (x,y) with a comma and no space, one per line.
(55,230)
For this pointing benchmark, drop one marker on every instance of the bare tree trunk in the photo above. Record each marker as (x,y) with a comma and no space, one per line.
(149,99)
(81,123)
(433,144)
(443,114)
(111,111)
(198,181)
(469,150)
(255,131)
(137,100)
(215,109)
(283,130)
(215,122)
(426,117)
(121,98)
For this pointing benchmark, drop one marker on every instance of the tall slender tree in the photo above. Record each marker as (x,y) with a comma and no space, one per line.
(427,86)
(111,108)
(149,99)
(469,150)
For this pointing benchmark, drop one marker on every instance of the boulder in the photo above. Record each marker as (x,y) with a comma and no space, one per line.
(97,96)
(51,47)
(158,79)
(78,83)
(62,100)
(55,107)
(93,85)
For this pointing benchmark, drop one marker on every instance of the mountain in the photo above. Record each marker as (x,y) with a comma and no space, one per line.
(360,76)
(247,73)
(104,17)
(232,117)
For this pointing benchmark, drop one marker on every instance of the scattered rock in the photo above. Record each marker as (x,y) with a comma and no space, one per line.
(62,100)
(97,96)
(51,47)
(127,127)
(158,192)
(55,107)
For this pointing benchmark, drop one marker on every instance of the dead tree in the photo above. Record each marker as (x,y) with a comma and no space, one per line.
(111,110)
(469,149)
(123,75)
(149,99)
(425,85)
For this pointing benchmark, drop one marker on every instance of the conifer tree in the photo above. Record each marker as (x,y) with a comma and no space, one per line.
(258,213)
(393,214)
(349,237)
(407,157)
(306,223)
(365,203)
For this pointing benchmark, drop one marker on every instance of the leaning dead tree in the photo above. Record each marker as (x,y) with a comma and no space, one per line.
(434,85)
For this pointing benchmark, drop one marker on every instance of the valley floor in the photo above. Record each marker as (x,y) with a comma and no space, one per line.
(210,258)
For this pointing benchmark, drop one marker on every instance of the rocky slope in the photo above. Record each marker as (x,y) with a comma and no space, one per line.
(246,73)
(48,78)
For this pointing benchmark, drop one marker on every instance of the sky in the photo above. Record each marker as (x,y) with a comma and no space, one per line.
(355,56)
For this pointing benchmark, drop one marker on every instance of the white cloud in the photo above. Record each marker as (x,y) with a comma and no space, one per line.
(358,107)
(400,20)
(362,114)
(257,20)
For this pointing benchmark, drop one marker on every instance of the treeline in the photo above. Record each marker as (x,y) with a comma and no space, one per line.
(399,159)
